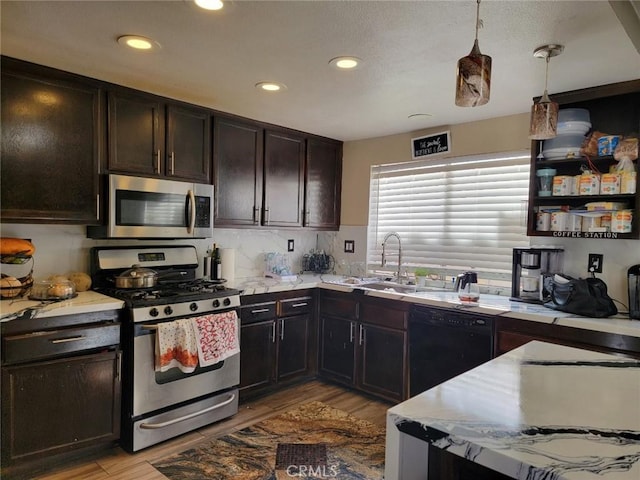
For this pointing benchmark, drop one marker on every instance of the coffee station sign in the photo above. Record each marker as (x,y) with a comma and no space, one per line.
(586,234)
(434,144)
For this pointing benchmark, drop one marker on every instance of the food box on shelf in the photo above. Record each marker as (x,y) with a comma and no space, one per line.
(594,206)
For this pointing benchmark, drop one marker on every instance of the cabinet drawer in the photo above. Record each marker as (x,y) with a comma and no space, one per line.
(53,343)
(295,306)
(339,306)
(257,312)
(385,317)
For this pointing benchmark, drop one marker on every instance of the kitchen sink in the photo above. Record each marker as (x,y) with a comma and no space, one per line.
(390,287)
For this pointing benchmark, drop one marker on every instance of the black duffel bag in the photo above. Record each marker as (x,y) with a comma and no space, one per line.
(586,297)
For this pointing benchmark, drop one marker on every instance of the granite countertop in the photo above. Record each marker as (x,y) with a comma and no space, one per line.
(539,411)
(85,302)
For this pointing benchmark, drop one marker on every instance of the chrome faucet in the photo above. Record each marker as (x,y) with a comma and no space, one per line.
(384,244)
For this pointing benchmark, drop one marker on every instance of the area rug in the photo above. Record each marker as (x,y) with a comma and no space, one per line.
(313,441)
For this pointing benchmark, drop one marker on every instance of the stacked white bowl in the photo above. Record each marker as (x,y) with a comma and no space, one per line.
(573,124)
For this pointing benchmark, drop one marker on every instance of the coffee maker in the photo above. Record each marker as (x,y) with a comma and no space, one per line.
(531,266)
(633,280)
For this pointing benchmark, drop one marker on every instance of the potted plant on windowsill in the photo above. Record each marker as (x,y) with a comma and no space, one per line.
(421,275)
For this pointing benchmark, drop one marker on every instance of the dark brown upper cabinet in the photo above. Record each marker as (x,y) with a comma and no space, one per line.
(269,177)
(51,145)
(284,158)
(151,137)
(238,166)
(323,184)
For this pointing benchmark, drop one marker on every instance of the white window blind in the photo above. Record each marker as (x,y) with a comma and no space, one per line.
(458,213)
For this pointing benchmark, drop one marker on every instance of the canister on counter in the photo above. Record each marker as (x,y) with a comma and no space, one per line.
(562,185)
(589,183)
(621,221)
(543,221)
(610,184)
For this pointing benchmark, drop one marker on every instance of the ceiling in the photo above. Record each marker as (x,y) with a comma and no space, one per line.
(410,50)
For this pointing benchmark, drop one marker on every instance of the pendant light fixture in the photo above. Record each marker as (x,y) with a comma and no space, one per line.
(473,76)
(544,113)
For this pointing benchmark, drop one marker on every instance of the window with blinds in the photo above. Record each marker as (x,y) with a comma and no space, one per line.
(458,213)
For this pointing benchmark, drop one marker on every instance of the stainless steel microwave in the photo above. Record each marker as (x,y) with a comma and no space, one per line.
(156,208)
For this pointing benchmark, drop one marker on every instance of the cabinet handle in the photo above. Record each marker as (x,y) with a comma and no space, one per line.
(361,336)
(98,206)
(352,331)
(295,305)
(173,162)
(118,365)
(158,162)
(68,339)
(273,332)
(281,329)
(260,310)
(305,221)
(266,211)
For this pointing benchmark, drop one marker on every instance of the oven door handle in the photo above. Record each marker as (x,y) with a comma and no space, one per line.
(151,426)
(192,211)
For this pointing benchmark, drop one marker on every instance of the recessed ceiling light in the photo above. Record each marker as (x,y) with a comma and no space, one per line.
(271,86)
(345,63)
(138,42)
(209,4)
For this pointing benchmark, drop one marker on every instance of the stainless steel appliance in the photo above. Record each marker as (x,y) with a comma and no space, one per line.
(530,268)
(443,344)
(633,281)
(155,208)
(161,405)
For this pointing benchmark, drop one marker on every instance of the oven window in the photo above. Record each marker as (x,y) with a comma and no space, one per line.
(150,209)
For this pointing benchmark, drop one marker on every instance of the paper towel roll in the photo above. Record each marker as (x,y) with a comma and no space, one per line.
(228,260)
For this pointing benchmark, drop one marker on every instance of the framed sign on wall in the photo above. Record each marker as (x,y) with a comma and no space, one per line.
(434,144)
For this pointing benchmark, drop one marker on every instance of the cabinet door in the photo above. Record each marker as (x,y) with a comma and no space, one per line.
(257,354)
(238,164)
(337,349)
(293,347)
(323,181)
(136,134)
(383,368)
(52,134)
(58,406)
(283,180)
(188,145)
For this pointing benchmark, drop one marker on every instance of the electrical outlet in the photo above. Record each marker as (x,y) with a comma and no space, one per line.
(595,263)
(290,245)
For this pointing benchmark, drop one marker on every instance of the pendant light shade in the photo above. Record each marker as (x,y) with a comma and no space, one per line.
(473,75)
(544,113)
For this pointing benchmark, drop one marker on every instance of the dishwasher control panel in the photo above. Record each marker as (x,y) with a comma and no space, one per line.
(447,318)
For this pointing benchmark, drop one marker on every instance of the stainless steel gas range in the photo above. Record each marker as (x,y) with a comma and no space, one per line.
(160,405)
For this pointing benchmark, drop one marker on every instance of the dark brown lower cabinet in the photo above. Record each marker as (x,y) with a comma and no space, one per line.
(363,343)
(276,336)
(56,406)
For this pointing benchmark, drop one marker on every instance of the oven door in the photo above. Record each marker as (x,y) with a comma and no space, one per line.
(155,390)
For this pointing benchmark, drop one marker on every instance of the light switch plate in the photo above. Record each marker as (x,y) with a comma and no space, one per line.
(290,245)
(349,246)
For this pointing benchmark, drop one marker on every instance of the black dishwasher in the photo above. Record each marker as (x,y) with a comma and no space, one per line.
(444,343)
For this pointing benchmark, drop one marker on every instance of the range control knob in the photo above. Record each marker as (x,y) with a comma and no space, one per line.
(168,310)
(216,303)
(226,302)
(193,307)
(154,312)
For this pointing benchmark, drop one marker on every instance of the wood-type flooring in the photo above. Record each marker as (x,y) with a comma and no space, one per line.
(116,464)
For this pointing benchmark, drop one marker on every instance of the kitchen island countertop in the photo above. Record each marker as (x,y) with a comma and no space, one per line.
(539,411)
